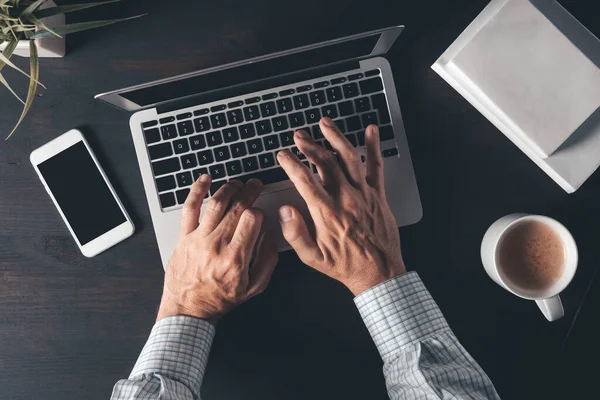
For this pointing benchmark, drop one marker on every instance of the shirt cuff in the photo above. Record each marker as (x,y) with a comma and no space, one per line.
(178,349)
(399,312)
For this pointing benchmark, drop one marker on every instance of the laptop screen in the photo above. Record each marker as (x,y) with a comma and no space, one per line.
(238,74)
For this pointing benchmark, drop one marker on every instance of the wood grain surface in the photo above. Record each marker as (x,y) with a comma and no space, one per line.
(70,327)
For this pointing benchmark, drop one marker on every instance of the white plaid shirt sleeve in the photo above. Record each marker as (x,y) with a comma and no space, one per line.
(422,357)
(172,363)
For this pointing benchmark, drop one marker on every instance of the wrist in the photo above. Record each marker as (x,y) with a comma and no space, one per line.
(380,275)
(169,308)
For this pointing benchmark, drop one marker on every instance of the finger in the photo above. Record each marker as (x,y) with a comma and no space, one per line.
(190,213)
(349,155)
(263,265)
(303,179)
(216,207)
(241,202)
(327,165)
(375,177)
(247,232)
(297,235)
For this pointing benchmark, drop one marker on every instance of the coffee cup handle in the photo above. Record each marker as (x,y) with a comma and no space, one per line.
(552,308)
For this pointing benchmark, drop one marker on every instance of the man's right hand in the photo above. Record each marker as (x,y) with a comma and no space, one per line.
(356,238)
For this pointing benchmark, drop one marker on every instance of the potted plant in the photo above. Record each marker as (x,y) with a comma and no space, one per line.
(36,28)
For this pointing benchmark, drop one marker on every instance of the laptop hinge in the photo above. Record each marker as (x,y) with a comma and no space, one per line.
(257,86)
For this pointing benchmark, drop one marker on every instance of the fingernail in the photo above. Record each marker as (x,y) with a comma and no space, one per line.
(302,134)
(204,178)
(282,153)
(329,122)
(285,214)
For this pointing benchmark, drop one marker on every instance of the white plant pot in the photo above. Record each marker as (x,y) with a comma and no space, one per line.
(52,47)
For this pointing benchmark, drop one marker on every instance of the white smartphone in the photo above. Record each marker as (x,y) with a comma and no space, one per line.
(83,195)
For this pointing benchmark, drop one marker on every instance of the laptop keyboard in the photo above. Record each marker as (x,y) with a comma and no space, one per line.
(240,139)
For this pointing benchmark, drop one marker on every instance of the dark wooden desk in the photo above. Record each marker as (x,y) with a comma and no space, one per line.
(71,327)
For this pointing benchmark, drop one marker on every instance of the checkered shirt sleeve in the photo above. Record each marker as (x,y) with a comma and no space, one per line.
(172,363)
(422,357)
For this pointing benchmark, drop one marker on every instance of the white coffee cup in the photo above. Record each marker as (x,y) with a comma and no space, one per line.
(548,299)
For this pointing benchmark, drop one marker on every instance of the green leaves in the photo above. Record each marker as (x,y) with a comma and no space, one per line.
(22,20)
(78,27)
(34,66)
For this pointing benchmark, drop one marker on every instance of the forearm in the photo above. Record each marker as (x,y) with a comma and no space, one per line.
(172,362)
(422,357)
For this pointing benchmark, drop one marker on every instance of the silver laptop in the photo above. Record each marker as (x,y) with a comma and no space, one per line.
(230,121)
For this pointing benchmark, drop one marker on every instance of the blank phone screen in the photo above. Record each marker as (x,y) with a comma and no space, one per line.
(81,193)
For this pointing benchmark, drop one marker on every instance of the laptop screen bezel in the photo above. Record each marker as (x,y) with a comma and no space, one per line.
(387,38)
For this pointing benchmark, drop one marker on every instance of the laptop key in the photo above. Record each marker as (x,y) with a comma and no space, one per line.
(203,111)
(214,138)
(266,160)
(152,135)
(380,104)
(197,142)
(215,186)
(182,195)
(338,80)
(166,166)
(167,200)
(234,167)
(362,104)
(296,119)
(222,153)
(166,120)
(166,183)
(287,92)
(252,100)
(287,138)
(301,101)
(149,124)
(168,132)
(352,139)
(218,120)
(369,118)
(312,116)
(231,135)
(321,84)
(251,113)
(269,96)
(271,142)
(372,72)
(334,94)
(184,179)
(255,146)
(247,131)
(316,132)
(303,88)
(268,176)
(205,157)
(340,124)
(268,109)
(284,105)
(185,128)
(386,133)
(355,77)
(238,149)
(250,164)
(234,104)
(350,90)
(280,123)
(160,151)
(353,123)
(235,117)
(371,85)
(298,153)
(263,127)
(330,111)
(346,108)
(202,124)
(181,146)
(219,107)
(217,171)
(189,161)
(197,172)
(390,152)
(317,98)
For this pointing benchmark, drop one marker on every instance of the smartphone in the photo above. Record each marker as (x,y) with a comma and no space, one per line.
(83,195)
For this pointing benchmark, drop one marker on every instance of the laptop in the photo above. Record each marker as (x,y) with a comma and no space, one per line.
(229,121)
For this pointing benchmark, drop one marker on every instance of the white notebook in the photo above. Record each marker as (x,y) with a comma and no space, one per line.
(534,71)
